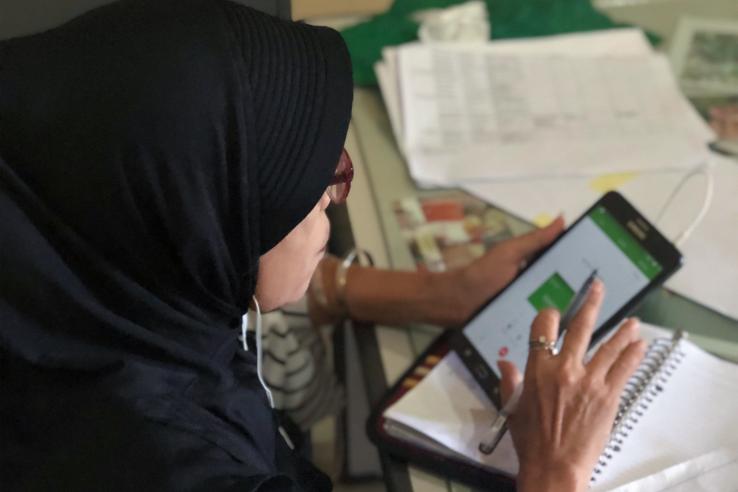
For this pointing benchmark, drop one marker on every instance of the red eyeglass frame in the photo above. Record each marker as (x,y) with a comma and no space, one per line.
(340,184)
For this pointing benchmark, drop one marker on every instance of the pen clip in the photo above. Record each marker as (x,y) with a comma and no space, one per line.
(497,430)
(495,433)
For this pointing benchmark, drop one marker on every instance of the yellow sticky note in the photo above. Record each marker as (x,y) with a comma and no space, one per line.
(609,182)
(542,219)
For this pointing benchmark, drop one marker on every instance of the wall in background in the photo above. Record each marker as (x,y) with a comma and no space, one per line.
(310,9)
(21,17)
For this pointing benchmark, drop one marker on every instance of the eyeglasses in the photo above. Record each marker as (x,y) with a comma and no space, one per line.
(340,185)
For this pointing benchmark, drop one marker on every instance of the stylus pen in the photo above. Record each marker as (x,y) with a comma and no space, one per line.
(498,428)
(494,434)
(576,304)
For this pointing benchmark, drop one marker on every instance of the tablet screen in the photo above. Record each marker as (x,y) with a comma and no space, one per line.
(597,242)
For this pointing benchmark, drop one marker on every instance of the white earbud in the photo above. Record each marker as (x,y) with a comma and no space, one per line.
(242,338)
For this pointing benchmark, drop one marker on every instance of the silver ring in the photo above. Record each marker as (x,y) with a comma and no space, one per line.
(542,343)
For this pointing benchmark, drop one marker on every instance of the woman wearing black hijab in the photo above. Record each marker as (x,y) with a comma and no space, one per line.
(164,168)
(151,152)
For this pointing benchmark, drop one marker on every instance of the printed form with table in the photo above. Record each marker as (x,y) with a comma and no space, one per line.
(543,126)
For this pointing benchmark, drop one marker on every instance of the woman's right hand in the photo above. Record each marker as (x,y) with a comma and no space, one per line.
(567,408)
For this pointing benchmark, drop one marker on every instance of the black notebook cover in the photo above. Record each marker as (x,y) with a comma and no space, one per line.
(451,468)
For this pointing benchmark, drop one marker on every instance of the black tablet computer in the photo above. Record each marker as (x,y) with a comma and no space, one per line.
(612,239)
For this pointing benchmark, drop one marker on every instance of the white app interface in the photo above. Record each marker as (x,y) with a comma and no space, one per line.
(598,242)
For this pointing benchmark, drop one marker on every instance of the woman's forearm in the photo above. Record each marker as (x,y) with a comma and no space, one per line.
(399,297)
(447,298)
(390,297)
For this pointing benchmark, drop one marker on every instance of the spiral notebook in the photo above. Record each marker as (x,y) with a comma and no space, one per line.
(681,403)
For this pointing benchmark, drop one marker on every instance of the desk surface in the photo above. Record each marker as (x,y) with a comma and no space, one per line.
(382,179)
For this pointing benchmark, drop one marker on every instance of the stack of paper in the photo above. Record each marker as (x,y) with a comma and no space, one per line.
(571,105)
(546,126)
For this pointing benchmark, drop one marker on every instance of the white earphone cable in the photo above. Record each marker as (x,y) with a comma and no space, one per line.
(259,353)
(704,169)
(244,332)
(245,344)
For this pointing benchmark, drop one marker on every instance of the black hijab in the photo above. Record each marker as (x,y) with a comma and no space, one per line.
(150,152)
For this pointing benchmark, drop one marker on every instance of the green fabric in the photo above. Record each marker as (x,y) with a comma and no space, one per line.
(509,19)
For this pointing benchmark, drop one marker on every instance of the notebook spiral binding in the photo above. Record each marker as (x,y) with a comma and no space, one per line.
(661,359)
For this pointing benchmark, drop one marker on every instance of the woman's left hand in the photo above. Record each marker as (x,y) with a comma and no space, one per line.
(443,298)
(488,275)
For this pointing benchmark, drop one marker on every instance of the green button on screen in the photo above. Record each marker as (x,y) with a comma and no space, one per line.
(553,293)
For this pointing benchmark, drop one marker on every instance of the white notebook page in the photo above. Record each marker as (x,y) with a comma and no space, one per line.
(449,406)
(694,414)
(712,472)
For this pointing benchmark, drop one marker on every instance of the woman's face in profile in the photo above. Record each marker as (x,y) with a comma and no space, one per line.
(286,269)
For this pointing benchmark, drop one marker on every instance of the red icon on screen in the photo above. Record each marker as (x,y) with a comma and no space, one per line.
(503,351)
